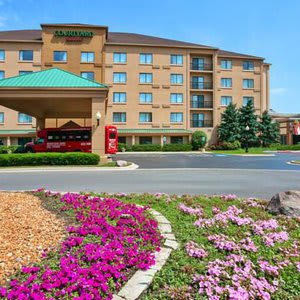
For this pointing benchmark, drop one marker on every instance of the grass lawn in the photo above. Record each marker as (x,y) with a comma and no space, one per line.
(242,151)
(175,280)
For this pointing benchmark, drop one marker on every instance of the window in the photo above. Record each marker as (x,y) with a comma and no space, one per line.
(25,72)
(226,82)
(120,77)
(145,97)
(198,63)
(248,65)
(226,100)
(1,117)
(176,79)
(2,74)
(24,140)
(23,118)
(145,117)
(197,101)
(146,78)
(176,117)
(248,83)
(87,56)
(60,56)
(176,139)
(247,99)
(176,98)
(146,58)
(226,64)
(26,55)
(120,58)
(2,54)
(88,75)
(176,59)
(197,120)
(119,97)
(145,140)
(122,139)
(119,117)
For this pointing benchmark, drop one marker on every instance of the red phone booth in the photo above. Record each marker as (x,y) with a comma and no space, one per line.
(111,139)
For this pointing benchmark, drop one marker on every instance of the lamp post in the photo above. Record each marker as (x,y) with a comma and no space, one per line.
(247,138)
(98,117)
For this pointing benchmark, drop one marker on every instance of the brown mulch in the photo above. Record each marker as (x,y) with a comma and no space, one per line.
(26,229)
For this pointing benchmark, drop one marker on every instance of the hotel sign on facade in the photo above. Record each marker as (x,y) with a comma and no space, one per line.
(73,35)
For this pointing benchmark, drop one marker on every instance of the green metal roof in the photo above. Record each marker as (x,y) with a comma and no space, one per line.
(154,130)
(50,78)
(15,132)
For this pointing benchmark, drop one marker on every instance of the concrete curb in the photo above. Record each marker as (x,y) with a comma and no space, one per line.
(293,162)
(141,280)
(132,166)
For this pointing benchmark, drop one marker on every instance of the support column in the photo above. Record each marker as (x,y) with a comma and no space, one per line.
(133,140)
(40,123)
(98,132)
(8,143)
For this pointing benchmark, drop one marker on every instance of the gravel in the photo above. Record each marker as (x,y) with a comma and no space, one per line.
(26,230)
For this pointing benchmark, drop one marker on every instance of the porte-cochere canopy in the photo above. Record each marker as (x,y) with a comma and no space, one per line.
(52,93)
(55,93)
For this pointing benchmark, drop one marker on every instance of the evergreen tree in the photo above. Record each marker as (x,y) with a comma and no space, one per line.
(269,130)
(248,119)
(229,129)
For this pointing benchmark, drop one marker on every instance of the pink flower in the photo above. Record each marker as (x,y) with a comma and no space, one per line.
(194,250)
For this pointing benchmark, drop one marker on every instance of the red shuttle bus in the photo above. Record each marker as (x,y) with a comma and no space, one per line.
(71,140)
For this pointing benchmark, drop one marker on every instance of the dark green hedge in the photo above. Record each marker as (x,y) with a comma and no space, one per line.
(177,147)
(149,147)
(286,147)
(52,159)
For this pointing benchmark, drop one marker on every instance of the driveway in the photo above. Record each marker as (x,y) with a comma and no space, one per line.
(190,160)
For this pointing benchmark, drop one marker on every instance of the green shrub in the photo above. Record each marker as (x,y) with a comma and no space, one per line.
(52,159)
(10,149)
(199,139)
(125,146)
(177,147)
(147,147)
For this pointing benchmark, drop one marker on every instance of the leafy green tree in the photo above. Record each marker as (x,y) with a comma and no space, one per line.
(269,130)
(249,126)
(229,129)
(199,139)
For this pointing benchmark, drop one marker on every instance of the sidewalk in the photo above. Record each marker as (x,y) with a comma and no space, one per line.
(28,169)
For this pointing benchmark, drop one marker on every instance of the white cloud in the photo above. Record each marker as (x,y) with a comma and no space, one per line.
(278,91)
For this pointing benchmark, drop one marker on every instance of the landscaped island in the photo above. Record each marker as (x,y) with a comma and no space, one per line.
(230,248)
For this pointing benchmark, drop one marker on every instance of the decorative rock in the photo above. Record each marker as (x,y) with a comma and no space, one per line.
(285,203)
(122,163)
(171,244)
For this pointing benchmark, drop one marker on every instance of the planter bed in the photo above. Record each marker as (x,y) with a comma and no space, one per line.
(107,241)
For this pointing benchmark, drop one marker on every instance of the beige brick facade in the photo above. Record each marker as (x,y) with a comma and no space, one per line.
(200,89)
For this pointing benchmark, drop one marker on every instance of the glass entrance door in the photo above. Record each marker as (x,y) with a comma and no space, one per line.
(197,82)
(198,63)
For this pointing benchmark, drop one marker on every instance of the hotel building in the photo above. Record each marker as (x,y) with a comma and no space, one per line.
(160,90)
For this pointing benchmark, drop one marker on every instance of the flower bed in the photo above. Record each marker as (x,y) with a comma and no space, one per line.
(107,241)
(230,249)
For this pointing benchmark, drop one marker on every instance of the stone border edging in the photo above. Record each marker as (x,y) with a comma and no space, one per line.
(141,280)
(293,162)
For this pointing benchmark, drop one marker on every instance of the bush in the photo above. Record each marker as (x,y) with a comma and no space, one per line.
(199,139)
(147,147)
(10,149)
(125,146)
(52,159)
(177,147)
(226,146)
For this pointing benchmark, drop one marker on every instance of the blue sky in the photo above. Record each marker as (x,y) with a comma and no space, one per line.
(267,28)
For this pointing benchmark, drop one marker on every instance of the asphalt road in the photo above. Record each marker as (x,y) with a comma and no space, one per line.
(245,183)
(180,174)
(190,160)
